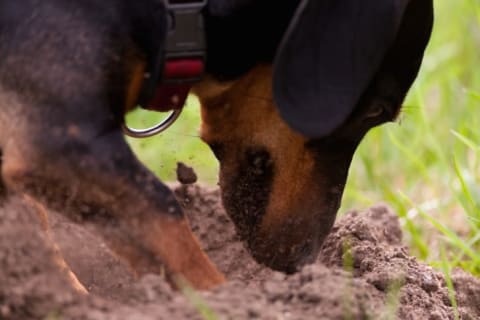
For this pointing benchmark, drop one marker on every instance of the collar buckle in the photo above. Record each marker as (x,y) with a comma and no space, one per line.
(185,50)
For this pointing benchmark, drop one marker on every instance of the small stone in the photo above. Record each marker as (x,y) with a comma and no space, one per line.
(428,283)
(185,174)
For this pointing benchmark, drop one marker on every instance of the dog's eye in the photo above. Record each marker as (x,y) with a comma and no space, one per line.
(376,111)
(380,111)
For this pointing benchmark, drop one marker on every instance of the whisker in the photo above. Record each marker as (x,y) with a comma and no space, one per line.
(185,134)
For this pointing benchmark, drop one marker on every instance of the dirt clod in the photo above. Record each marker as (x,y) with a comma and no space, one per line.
(364,272)
(185,174)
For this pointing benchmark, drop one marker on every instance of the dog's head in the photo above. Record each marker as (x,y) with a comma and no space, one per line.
(285,132)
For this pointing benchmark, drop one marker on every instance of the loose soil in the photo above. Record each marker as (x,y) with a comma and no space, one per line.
(363,272)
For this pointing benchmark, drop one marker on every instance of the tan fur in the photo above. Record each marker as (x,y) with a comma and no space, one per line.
(178,246)
(58,258)
(183,254)
(135,85)
(245,113)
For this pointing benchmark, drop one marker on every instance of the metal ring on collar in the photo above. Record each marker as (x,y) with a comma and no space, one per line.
(162,126)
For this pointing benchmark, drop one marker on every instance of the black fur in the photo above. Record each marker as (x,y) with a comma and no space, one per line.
(332,53)
(65,67)
(321,74)
(244,33)
(247,202)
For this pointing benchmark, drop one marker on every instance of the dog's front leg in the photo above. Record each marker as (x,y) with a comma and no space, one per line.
(3,190)
(57,257)
(85,169)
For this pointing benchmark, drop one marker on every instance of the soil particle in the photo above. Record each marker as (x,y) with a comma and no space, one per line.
(185,174)
(363,272)
(25,266)
(467,294)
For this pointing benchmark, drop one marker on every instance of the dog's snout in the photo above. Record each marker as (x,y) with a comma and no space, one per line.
(281,189)
(296,237)
(246,188)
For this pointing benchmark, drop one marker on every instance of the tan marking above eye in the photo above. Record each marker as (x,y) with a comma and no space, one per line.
(210,89)
(135,85)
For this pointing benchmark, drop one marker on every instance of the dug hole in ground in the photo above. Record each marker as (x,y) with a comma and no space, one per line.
(380,281)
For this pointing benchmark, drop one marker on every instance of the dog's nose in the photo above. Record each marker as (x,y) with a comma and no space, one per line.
(285,257)
(291,239)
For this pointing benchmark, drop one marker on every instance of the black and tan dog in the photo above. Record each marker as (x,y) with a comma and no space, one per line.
(292,87)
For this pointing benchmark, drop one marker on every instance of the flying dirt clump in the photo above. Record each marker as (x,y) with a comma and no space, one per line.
(185,174)
(363,272)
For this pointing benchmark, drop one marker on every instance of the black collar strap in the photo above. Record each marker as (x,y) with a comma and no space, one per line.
(180,65)
(185,52)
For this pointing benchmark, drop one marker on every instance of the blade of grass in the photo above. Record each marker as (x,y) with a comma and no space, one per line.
(450,235)
(471,204)
(195,299)
(410,155)
(448,280)
(467,141)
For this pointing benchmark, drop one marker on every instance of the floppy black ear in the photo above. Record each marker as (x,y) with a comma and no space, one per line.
(333,50)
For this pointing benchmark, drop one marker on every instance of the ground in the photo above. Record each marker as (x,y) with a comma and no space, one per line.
(363,272)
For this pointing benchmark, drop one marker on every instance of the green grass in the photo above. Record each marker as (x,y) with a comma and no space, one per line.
(180,142)
(197,301)
(446,268)
(426,166)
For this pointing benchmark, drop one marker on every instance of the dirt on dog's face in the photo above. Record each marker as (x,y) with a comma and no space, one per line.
(281,189)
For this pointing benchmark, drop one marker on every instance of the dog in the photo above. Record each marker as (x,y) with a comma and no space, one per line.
(291,88)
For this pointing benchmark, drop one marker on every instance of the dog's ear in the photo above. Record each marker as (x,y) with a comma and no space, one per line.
(332,51)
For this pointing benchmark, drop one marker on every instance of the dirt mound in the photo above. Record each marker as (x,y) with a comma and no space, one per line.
(364,272)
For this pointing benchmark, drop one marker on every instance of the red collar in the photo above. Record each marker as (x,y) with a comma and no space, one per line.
(177,82)
(184,54)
